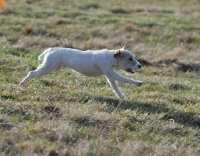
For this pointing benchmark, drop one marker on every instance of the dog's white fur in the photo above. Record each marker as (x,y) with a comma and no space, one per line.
(89,63)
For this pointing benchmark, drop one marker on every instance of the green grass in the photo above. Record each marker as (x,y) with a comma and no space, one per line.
(66,113)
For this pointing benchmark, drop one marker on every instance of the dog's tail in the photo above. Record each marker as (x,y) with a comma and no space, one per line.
(41,56)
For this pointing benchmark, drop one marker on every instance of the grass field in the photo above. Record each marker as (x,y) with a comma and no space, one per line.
(66,113)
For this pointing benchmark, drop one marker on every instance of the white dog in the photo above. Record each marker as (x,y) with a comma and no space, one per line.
(89,63)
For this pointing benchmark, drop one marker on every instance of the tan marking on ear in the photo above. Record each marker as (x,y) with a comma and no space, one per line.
(125,45)
(117,54)
(57,69)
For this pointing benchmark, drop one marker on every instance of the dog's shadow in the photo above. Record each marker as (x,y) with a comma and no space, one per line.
(187,119)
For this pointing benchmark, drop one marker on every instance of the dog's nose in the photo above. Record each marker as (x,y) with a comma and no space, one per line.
(139,66)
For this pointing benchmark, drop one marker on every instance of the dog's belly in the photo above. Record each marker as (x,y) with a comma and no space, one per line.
(89,71)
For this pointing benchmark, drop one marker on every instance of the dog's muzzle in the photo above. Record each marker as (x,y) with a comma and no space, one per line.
(129,70)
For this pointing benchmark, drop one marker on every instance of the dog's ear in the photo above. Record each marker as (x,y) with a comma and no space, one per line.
(117,54)
(125,45)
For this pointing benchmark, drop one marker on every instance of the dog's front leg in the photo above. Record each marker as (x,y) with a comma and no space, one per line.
(114,76)
(115,88)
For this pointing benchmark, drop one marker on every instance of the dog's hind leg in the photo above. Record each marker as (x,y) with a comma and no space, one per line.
(45,68)
(115,88)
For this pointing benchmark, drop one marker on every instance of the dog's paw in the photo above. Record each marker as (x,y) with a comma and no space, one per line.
(122,97)
(21,83)
(139,83)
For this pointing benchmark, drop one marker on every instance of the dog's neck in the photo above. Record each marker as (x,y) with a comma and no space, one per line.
(114,60)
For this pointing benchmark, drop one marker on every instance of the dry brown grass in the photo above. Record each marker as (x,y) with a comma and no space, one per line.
(27,29)
(168,57)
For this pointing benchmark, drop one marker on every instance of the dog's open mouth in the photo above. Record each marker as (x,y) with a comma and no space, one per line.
(129,70)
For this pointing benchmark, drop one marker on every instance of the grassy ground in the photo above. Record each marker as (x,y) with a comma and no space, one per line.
(69,114)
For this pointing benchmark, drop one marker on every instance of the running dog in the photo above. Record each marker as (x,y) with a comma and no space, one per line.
(89,63)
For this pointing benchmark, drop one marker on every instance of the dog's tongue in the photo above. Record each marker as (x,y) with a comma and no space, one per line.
(129,70)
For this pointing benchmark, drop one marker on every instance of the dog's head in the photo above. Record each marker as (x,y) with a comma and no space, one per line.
(126,60)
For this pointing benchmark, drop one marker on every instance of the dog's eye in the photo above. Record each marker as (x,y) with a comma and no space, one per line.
(130,58)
